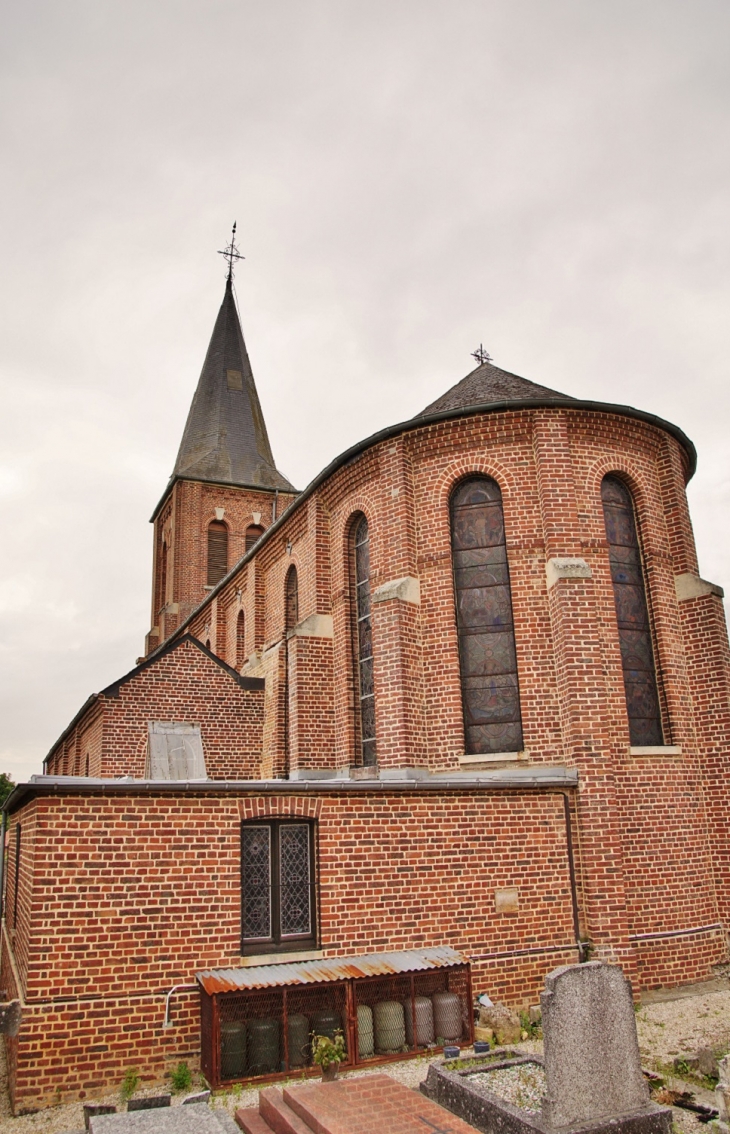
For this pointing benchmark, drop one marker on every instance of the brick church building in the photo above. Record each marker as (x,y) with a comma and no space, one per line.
(465,695)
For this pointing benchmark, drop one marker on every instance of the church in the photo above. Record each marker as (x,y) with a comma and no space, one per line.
(453,715)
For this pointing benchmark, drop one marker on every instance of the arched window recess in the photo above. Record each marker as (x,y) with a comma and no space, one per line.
(632,614)
(291,599)
(363,643)
(490,693)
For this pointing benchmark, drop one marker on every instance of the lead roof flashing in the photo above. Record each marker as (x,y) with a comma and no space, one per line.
(560,778)
(560,401)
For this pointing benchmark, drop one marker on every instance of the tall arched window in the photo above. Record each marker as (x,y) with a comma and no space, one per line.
(632,615)
(292,598)
(253,535)
(217,552)
(240,639)
(490,694)
(364,643)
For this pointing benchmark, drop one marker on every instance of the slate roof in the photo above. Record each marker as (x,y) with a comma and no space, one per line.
(486,384)
(225,439)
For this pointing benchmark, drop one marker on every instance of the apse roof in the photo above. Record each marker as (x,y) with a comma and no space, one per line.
(488,383)
(225,439)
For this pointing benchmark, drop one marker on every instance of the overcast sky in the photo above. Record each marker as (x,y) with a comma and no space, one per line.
(410,178)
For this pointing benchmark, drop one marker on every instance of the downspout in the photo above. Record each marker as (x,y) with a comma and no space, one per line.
(583,952)
(273,510)
(3,828)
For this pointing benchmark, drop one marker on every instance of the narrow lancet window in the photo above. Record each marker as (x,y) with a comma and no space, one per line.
(489,691)
(240,639)
(364,644)
(632,614)
(292,598)
(217,552)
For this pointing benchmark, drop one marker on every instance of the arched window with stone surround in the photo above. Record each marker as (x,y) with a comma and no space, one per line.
(217,552)
(632,614)
(240,639)
(490,693)
(291,598)
(363,643)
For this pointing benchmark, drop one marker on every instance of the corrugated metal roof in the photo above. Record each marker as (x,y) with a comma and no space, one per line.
(332,968)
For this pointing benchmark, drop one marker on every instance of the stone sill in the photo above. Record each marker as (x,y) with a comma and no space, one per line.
(249,962)
(491,757)
(656,750)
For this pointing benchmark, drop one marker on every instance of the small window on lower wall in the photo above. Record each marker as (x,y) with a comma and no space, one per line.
(175,752)
(278,893)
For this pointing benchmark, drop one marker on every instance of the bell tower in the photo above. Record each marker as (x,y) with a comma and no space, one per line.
(225,489)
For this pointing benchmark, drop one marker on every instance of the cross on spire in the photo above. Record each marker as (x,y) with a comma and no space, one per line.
(481,355)
(231,254)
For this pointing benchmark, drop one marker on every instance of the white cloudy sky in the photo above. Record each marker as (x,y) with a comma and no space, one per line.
(410,177)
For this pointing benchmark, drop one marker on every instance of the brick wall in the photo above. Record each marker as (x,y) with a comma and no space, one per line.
(134,893)
(186,685)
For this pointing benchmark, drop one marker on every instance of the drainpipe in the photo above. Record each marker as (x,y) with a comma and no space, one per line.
(582,950)
(2,864)
(276,501)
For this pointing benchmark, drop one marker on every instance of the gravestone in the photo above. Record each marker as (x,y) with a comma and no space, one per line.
(592,1063)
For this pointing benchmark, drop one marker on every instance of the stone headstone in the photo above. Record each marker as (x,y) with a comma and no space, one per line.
(150,1102)
(198,1097)
(592,1063)
(722,1095)
(92,1109)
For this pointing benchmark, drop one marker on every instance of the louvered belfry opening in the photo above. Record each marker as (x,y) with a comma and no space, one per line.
(217,552)
(292,598)
(487,656)
(364,643)
(253,535)
(632,614)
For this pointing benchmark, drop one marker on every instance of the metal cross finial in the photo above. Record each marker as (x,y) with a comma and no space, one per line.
(481,355)
(231,253)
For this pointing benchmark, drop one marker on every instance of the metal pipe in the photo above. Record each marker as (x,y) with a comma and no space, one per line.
(573,885)
(175,988)
(3,828)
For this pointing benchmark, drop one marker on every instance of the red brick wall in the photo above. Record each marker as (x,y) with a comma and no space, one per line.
(183,685)
(135,893)
(549,464)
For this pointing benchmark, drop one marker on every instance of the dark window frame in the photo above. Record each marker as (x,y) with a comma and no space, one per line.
(488,668)
(277,942)
(628,621)
(291,598)
(362,631)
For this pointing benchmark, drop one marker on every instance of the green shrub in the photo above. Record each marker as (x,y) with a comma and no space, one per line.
(181,1077)
(130,1082)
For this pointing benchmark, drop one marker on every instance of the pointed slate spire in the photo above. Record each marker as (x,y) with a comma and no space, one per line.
(225,438)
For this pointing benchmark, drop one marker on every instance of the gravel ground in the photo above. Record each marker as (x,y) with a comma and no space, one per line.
(522,1086)
(666,1030)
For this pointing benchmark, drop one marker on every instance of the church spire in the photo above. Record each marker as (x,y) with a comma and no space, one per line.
(225,439)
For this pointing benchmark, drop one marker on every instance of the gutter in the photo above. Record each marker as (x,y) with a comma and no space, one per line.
(559,779)
(409,426)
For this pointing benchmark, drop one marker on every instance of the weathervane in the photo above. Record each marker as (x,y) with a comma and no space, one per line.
(481,355)
(231,253)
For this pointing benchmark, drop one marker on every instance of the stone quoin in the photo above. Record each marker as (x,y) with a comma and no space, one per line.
(474,657)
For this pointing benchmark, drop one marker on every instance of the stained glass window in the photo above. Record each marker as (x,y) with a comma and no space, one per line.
(489,689)
(364,643)
(277,881)
(632,615)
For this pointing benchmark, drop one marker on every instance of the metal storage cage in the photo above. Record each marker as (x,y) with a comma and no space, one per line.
(257,1023)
